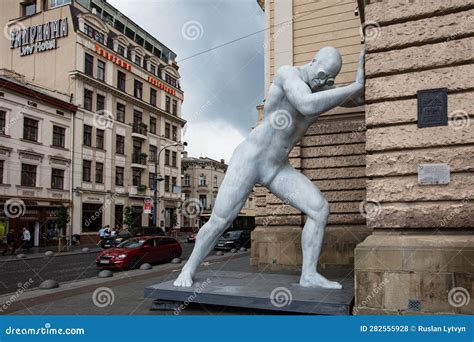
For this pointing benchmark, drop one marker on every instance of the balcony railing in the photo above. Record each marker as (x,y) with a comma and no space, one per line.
(139,158)
(139,128)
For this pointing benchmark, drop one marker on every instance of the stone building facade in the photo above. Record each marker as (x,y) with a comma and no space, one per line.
(202,178)
(332,154)
(35,159)
(126,85)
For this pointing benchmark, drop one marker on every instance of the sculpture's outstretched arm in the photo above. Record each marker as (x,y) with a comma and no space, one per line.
(307,103)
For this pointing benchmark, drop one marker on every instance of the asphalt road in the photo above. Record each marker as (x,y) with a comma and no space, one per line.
(62,268)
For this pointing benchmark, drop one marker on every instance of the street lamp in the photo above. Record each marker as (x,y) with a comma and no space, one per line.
(159,178)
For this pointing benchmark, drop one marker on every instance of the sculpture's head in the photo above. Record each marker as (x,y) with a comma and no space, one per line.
(321,72)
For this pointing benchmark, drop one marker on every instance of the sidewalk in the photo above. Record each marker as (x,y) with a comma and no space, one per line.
(38,252)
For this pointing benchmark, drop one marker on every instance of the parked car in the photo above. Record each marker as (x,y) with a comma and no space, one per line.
(234,239)
(191,238)
(137,250)
(110,242)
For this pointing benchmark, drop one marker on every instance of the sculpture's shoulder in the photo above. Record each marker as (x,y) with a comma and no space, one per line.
(286,71)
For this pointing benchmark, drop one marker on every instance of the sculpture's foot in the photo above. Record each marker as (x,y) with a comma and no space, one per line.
(317,280)
(184,279)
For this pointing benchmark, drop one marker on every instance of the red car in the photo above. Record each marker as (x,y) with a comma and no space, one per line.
(144,249)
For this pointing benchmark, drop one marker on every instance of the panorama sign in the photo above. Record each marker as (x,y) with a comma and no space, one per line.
(39,38)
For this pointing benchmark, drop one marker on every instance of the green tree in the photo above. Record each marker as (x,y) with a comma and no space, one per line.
(62,221)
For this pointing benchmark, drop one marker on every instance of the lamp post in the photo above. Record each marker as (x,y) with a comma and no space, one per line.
(159,178)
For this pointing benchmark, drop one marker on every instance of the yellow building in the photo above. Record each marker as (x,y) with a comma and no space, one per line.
(126,85)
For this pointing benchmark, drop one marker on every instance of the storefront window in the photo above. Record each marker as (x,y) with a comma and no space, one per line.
(91,217)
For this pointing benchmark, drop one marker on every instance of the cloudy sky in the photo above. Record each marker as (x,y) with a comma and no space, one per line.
(221,87)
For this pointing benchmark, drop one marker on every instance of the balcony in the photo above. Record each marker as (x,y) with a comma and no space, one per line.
(139,130)
(140,190)
(139,160)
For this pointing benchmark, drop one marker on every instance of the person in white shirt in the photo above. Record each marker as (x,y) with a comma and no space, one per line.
(26,239)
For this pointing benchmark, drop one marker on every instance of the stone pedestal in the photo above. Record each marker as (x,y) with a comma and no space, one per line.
(410,274)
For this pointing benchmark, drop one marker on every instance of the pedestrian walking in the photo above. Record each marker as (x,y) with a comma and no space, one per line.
(10,243)
(101,233)
(26,239)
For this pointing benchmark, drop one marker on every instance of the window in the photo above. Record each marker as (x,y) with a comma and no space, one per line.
(89,65)
(86,170)
(28,175)
(137,117)
(138,89)
(167,183)
(175,107)
(203,201)
(153,69)
(171,80)
(174,185)
(153,125)
(100,70)
(1,171)
(153,97)
(175,133)
(174,158)
(94,34)
(138,60)
(88,99)
(99,138)
(119,176)
(121,77)
(137,177)
(168,103)
(100,103)
(202,180)
(99,173)
(30,129)
(120,144)
(87,139)
(56,3)
(120,48)
(215,181)
(167,130)
(151,180)
(59,136)
(91,217)
(28,8)
(167,157)
(3,122)
(152,153)
(120,112)
(187,180)
(57,179)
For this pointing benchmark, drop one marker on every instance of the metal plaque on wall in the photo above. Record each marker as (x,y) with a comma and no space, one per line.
(432,107)
(434,174)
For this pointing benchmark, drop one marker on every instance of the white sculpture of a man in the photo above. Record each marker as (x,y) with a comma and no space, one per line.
(296,98)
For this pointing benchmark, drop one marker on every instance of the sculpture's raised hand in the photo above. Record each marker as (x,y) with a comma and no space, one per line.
(361,69)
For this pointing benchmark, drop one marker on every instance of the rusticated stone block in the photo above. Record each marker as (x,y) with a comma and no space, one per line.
(341,184)
(406,189)
(338,219)
(288,220)
(404,85)
(432,29)
(405,111)
(342,196)
(420,57)
(385,12)
(336,173)
(424,215)
(334,139)
(324,162)
(410,136)
(325,127)
(402,163)
(328,151)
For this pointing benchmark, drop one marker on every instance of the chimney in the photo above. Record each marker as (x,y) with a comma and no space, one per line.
(184,154)
(222,161)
